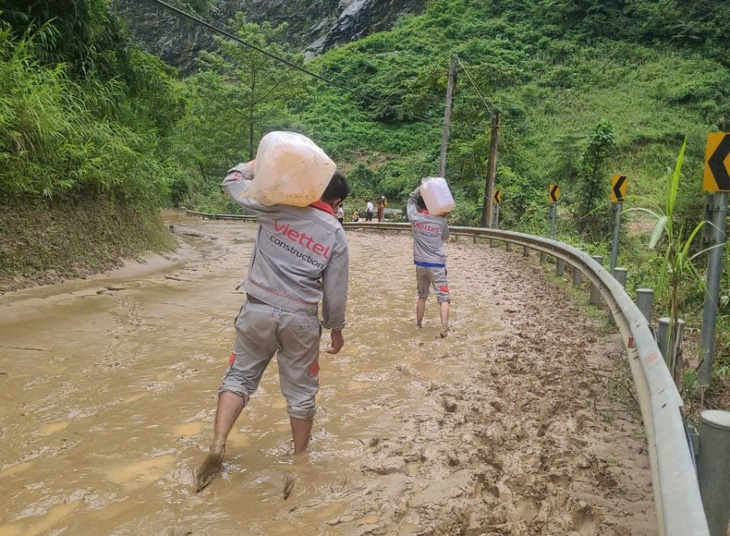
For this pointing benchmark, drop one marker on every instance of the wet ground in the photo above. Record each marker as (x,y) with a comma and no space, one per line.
(518,423)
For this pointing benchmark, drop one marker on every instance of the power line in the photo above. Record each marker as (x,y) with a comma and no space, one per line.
(286,62)
(479,92)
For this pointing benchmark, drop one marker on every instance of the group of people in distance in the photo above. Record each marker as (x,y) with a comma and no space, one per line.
(369,210)
(301,258)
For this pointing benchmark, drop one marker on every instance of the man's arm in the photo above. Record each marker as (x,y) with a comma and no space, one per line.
(411,208)
(334,300)
(236,184)
(445,233)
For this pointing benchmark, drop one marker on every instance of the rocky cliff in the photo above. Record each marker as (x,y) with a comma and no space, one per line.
(314,25)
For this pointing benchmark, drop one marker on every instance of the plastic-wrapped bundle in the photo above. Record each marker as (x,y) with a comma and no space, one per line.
(290,170)
(437,196)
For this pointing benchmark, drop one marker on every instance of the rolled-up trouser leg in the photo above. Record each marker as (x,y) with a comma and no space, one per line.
(298,361)
(440,284)
(256,343)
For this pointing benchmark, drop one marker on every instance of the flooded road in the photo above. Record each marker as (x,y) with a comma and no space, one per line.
(518,423)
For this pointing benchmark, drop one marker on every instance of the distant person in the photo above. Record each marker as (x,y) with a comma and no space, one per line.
(384,200)
(300,258)
(381,210)
(429,255)
(356,216)
(369,211)
(340,214)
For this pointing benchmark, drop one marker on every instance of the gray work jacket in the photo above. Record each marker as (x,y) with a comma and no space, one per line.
(429,234)
(300,256)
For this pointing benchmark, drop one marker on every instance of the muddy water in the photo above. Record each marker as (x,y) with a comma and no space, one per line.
(516,423)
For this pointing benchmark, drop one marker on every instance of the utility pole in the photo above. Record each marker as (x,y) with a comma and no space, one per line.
(447,115)
(491,171)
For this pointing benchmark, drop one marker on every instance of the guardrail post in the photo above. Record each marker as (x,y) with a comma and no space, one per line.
(559,267)
(667,347)
(620,274)
(713,469)
(577,276)
(525,251)
(492,243)
(645,302)
(476,239)
(595,297)
(543,257)
(510,246)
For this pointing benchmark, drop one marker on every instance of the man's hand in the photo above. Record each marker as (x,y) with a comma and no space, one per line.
(250,170)
(338,341)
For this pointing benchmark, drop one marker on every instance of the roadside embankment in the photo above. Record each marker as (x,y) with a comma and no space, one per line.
(46,241)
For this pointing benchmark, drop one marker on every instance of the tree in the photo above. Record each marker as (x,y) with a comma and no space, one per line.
(254,86)
(600,145)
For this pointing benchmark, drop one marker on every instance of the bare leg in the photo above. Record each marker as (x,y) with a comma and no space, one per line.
(444,312)
(301,429)
(420,311)
(229,408)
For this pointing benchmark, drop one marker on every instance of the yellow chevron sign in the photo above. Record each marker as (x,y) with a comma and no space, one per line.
(498,197)
(619,183)
(717,163)
(553,193)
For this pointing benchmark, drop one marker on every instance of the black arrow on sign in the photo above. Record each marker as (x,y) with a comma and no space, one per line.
(717,166)
(554,191)
(617,188)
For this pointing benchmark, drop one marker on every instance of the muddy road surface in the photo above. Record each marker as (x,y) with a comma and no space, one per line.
(520,422)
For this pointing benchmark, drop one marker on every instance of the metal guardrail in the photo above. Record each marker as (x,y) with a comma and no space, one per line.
(676,491)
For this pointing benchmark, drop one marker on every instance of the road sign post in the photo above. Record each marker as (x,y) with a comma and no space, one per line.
(497,198)
(551,214)
(716,178)
(618,193)
(553,196)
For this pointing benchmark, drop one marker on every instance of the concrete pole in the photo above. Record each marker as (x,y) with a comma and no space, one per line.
(595,296)
(616,235)
(525,251)
(645,302)
(559,267)
(712,298)
(543,257)
(447,114)
(491,171)
(713,469)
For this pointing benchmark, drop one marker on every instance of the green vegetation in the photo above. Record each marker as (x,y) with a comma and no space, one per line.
(84,110)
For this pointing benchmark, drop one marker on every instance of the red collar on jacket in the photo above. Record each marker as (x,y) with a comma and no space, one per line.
(425,212)
(324,207)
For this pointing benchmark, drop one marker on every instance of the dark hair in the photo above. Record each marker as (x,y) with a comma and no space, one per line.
(420,203)
(337,188)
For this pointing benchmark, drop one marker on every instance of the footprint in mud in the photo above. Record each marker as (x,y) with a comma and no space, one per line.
(586,521)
